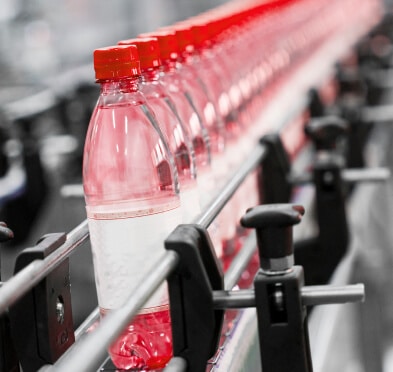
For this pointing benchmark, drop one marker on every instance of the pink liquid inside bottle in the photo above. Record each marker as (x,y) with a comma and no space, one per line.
(132,202)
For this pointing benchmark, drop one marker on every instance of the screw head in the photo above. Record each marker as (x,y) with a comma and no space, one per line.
(328,178)
(60,311)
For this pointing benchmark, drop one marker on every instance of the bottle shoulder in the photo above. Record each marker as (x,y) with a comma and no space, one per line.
(153,89)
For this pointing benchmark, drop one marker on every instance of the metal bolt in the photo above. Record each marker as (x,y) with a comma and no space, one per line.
(5,233)
(60,311)
(279,298)
(328,178)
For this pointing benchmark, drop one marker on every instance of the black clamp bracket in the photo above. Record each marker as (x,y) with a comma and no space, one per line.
(282,324)
(8,359)
(348,106)
(280,295)
(197,297)
(41,321)
(196,324)
(320,256)
(273,178)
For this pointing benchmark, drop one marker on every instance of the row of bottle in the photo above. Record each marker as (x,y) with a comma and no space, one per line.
(176,115)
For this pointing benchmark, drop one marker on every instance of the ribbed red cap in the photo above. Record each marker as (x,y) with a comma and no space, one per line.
(114,62)
(200,32)
(213,26)
(148,50)
(167,41)
(184,36)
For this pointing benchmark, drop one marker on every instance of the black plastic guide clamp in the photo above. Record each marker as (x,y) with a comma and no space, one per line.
(196,325)
(197,298)
(41,321)
(273,184)
(8,359)
(283,331)
(325,131)
(320,256)
(348,106)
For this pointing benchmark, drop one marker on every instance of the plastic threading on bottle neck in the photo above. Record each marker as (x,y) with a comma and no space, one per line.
(170,64)
(123,85)
(151,74)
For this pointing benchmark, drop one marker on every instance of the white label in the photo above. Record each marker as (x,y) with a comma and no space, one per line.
(124,251)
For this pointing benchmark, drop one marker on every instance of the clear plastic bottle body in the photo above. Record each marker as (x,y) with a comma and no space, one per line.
(168,120)
(132,203)
(194,124)
(213,77)
(223,229)
(217,77)
(191,118)
(204,105)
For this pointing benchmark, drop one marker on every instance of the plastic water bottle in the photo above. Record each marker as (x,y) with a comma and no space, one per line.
(132,202)
(186,107)
(215,73)
(192,119)
(201,95)
(195,109)
(167,117)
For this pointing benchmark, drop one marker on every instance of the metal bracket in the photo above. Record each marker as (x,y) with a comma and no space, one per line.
(283,331)
(41,321)
(280,297)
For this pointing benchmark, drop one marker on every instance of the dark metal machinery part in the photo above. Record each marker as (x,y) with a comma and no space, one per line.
(41,321)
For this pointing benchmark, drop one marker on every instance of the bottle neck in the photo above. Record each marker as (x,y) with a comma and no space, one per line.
(168,65)
(151,74)
(124,85)
(186,57)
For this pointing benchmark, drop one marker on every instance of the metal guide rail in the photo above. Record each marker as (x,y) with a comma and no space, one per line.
(279,287)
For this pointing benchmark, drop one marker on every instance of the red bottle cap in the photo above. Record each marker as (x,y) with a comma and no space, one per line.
(200,32)
(148,50)
(167,41)
(212,24)
(115,62)
(184,36)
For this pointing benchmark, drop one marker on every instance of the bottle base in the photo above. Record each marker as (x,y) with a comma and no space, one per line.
(146,344)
